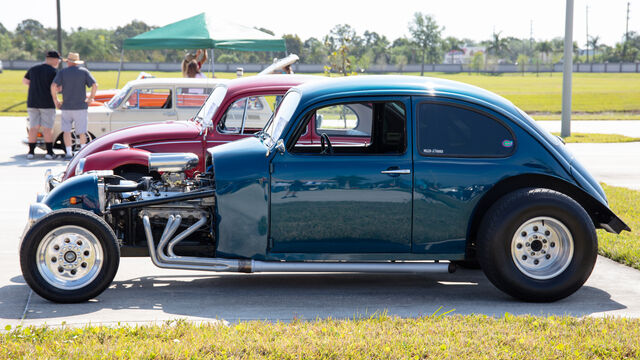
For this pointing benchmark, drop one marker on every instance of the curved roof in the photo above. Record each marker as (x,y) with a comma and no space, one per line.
(400,85)
(269,81)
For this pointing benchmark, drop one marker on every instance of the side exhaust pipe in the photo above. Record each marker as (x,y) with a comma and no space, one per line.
(172,261)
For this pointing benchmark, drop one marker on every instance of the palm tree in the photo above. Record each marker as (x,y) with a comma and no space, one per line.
(544,47)
(498,46)
(594,43)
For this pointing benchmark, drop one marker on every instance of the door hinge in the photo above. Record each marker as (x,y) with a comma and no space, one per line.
(270,168)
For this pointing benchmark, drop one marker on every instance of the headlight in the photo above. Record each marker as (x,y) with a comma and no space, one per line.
(80,166)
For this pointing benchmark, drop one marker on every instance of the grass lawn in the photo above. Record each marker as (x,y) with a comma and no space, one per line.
(378,337)
(595,96)
(597,138)
(625,247)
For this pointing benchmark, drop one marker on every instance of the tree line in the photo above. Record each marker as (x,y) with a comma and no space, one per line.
(342,50)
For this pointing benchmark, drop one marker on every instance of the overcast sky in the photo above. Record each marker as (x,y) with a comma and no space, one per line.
(462,18)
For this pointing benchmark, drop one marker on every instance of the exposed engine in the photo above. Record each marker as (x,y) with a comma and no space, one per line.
(171,203)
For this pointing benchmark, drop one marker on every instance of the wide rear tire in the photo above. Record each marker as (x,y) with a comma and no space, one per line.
(537,245)
(70,255)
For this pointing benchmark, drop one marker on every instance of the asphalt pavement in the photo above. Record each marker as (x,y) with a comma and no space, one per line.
(142,293)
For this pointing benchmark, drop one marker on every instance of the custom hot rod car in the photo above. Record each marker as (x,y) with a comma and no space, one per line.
(449,172)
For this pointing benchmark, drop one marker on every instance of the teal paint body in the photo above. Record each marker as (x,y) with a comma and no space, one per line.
(286,206)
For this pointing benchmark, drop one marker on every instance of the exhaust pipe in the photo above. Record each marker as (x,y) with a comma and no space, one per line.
(173,261)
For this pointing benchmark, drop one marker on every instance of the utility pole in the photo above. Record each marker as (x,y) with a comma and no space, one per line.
(587,34)
(626,35)
(531,38)
(567,71)
(59,31)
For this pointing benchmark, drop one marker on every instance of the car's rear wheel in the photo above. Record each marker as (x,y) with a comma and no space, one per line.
(75,141)
(537,245)
(70,255)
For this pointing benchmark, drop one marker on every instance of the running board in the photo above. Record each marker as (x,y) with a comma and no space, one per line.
(172,261)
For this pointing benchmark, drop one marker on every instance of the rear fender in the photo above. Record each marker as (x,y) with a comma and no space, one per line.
(112,159)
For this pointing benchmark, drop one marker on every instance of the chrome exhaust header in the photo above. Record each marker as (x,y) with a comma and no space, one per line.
(172,261)
(172,162)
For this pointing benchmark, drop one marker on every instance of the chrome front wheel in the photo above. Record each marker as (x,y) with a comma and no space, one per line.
(69,255)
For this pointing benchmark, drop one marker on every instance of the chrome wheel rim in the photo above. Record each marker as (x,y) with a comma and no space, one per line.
(69,257)
(542,248)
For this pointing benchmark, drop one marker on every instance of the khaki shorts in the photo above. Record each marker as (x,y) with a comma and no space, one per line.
(41,117)
(77,118)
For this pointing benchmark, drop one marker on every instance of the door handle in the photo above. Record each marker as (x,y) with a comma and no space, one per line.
(396,171)
(169,113)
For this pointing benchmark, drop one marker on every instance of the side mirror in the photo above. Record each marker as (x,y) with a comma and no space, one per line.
(280,147)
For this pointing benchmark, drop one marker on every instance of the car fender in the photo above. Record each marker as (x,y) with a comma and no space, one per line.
(112,159)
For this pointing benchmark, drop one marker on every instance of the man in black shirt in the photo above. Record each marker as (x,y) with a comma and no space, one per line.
(40,105)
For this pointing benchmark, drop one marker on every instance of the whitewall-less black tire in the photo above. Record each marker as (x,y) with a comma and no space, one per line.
(537,245)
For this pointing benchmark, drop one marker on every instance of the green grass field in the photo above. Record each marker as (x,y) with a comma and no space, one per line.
(625,247)
(377,337)
(595,96)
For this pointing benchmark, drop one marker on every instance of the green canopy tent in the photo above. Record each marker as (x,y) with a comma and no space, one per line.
(204,32)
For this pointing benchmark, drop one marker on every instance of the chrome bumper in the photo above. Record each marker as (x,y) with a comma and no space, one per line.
(51,181)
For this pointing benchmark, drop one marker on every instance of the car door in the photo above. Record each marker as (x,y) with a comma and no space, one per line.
(143,105)
(357,199)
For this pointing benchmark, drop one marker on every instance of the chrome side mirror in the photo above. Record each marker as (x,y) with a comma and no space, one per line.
(280,147)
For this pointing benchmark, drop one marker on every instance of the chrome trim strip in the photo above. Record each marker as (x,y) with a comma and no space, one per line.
(168,142)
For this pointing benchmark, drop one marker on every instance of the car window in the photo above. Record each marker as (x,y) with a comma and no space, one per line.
(192,97)
(458,131)
(340,119)
(363,127)
(149,99)
(247,115)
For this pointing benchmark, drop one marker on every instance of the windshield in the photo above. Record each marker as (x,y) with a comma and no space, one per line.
(208,110)
(116,100)
(281,118)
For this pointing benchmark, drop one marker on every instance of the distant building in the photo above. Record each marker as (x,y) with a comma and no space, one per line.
(584,52)
(464,56)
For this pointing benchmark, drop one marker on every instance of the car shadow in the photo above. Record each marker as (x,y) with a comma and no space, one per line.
(38,162)
(235,297)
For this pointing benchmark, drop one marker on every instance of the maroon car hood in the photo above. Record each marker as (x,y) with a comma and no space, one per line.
(146,133)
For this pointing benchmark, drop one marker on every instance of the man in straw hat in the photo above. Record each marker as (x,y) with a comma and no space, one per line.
(72,81)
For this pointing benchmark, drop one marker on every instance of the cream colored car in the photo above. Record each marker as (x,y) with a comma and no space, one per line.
(143,101)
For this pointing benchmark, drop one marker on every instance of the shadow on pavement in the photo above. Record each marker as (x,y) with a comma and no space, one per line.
(39,161)
(309,296)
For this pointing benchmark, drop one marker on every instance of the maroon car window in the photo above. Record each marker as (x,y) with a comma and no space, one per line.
(247,115)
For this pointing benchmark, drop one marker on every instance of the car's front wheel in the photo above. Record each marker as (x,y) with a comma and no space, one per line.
(537,245)
(69,255)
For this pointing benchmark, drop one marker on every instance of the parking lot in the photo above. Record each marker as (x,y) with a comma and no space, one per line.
(142,293)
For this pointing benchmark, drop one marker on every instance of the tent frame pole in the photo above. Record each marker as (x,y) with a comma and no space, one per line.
(120,68)
(213,71)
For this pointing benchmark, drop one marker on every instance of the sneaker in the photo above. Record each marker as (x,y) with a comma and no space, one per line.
(68,156)
(30,156)
(49,156)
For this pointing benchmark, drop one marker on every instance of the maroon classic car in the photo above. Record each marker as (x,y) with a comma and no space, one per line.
(236,109)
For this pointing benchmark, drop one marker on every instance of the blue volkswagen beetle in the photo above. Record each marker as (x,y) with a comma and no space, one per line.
(410,175)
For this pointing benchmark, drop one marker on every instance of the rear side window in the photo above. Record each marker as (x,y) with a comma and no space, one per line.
(457,131)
